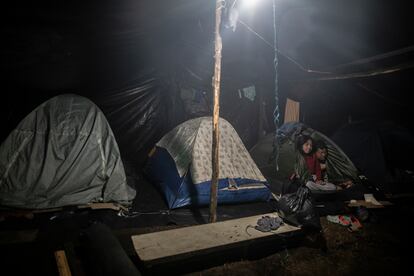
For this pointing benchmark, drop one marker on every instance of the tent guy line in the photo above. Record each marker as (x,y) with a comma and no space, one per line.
(356,62)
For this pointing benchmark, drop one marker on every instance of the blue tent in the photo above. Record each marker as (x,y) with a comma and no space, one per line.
(180,165)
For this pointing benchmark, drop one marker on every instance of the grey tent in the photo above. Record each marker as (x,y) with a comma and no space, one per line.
(340,167)
(62,153)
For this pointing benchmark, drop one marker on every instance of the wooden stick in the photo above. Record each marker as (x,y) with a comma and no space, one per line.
(216,112)
(62,263)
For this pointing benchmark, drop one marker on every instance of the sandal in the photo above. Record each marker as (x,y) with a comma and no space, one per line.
(344,220)
(355,225)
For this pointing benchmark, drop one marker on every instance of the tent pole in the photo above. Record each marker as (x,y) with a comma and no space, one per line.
(216,110)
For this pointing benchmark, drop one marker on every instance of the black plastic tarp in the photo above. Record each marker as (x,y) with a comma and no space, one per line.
(380,150)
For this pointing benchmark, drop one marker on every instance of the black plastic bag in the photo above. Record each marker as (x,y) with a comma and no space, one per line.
(298,209)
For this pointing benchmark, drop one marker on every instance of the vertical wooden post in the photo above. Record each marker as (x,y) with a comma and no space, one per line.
(216,112)
(62,263)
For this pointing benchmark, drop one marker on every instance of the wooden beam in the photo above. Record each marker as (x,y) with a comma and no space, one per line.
(367,204)
(28,213)
(62,263)
(18,236)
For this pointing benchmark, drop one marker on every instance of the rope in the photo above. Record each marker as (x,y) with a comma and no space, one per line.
(300,66)
(376,58)
(276,64)
(276,115)
(357,62)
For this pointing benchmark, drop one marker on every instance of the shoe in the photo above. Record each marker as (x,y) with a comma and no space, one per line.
(340,219)
(344,220)
(331,218)
(355,225)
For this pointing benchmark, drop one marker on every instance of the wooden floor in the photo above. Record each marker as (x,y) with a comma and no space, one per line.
(164,244)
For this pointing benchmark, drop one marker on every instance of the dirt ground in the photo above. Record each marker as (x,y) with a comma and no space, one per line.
(382,247)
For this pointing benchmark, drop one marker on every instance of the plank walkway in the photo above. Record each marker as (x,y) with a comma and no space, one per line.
(157,246)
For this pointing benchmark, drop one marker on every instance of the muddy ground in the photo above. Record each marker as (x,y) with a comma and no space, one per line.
(382,247)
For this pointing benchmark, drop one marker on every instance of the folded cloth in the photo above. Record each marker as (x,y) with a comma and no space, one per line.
(267,224)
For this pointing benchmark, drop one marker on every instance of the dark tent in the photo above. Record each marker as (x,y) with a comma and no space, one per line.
(382,151)
(62,153)
(339,165)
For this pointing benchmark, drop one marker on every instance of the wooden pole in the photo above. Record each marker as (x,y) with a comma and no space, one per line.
(62,263)
(216,112)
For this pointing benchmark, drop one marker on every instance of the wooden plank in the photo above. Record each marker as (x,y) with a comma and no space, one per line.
(164,244)
(396,196)
(367,204)
(29,213)
(6,213)
(19,236)
(62,263)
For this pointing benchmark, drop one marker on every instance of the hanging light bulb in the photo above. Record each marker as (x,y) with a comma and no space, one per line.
(249,3)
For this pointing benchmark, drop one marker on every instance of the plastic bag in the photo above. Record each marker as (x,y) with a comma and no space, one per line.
(297,209)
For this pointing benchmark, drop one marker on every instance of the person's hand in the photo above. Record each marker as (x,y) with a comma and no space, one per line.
(320,182)
(347,184)
(323,166)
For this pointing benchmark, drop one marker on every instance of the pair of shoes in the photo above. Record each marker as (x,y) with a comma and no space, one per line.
(344,220)
(267,224)
(340,219)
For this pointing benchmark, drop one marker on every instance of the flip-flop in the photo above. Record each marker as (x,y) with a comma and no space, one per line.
(332,218)
(344,220)
(355,225)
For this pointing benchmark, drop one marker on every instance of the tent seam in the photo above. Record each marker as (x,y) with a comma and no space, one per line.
(25,141)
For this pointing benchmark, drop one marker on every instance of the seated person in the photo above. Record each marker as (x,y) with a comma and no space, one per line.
(349,191)
(321,153)
(308,167)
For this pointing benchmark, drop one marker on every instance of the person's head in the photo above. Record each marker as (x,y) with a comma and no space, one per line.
(304,144)
(321,150)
